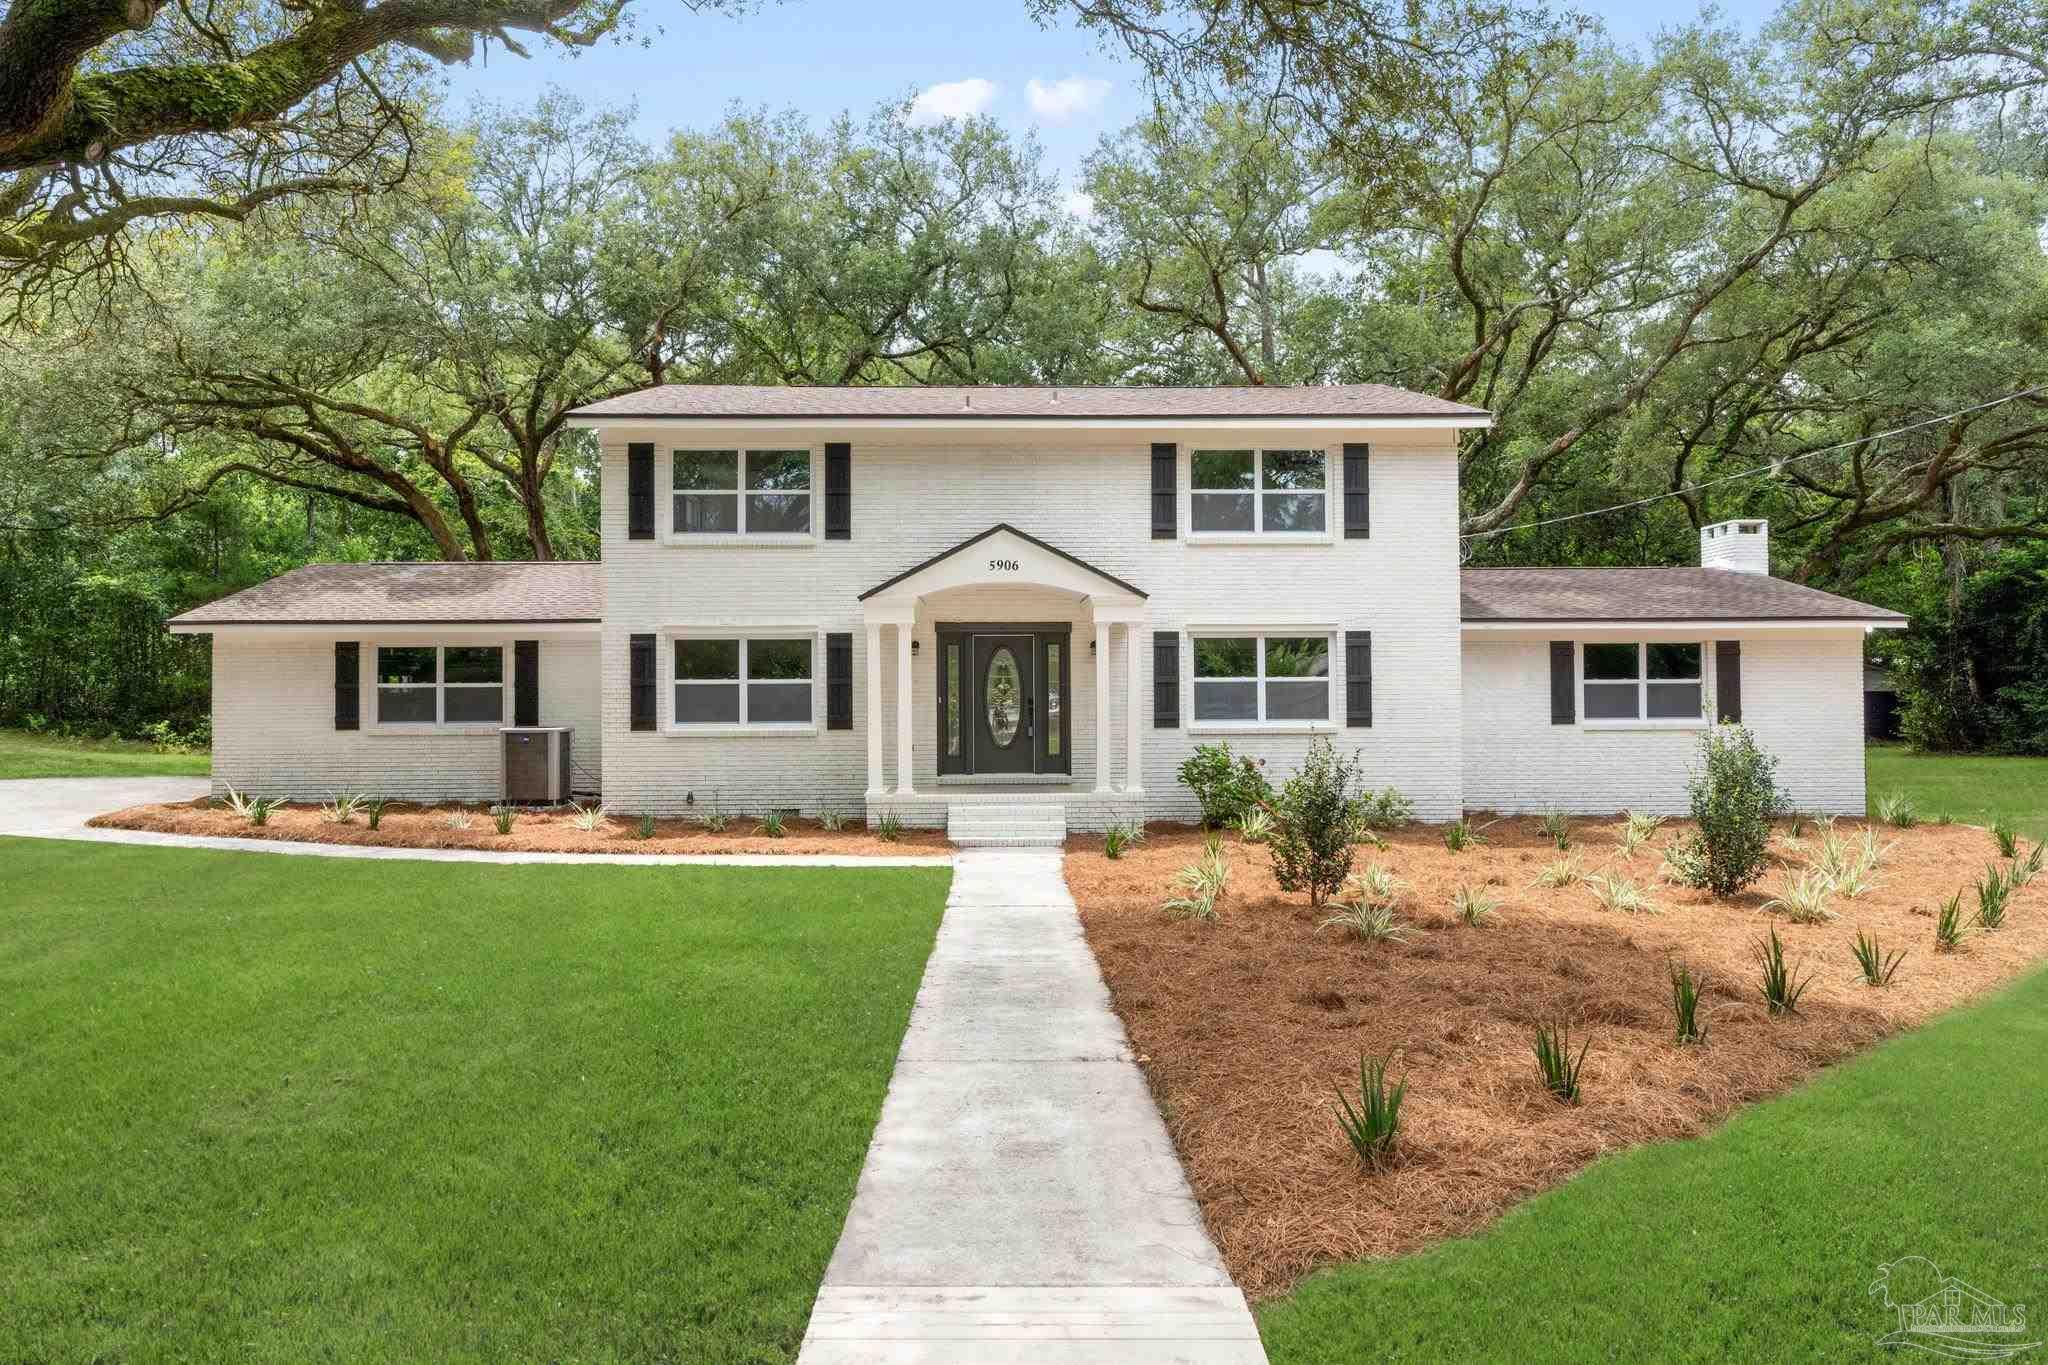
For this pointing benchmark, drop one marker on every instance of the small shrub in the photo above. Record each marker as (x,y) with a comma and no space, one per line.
(2008,838)
(1897,810)
(1225,784)
(1993,894)
(1460,835)
(501,816)
(1805,899)
(2024,870)
(771,825)
(1372,1125)
(1384,809)
(1313,824)
(1555,1063)
(715,821)
(1779,983)
(1474,907)
(1686,986)
(1557,826)
(589,819)
(1945,818)
(831,821)
(1119,836)
(1368,921)
(255,809)
(1642,825)
(1375,886)
(1563,872)
(1949,931)
(1735,798)
(373,811)
(888,827)
(1878,967)
(1621,895)
(458,820)
(1202,883)
(645,829)
(342,810)
(1254,825)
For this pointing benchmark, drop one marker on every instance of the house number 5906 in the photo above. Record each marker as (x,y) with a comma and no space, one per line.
(1002,566)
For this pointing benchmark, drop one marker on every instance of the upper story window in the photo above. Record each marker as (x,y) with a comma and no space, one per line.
(440,685)
(740,492)
(1644,682)
(1259,492)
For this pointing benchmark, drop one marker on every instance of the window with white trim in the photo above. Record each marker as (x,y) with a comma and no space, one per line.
(440,685)
(748,680)
(1643,681)
(1259,492)
(1254,679)
(740,492)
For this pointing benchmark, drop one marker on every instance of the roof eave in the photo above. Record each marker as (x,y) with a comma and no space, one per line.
(813,421)
(1484,623)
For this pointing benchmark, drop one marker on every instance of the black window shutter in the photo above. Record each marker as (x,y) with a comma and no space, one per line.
(1165,494)
(642,690)
(640,490)
(839,492)
(1563,701)
(526,682)
(1728,681)
(1357,492)
(348,694)
(839,680)
(1165,680)
(1358,678)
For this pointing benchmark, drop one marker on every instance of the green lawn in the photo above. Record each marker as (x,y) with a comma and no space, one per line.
(26,755)
(1974,790)
(1758,1242)
(267,1108)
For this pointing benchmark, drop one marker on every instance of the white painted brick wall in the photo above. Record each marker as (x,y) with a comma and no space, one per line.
(1802,696)
(1091,497)
(274,735)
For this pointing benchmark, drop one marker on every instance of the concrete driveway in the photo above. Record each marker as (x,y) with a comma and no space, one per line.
(58,807)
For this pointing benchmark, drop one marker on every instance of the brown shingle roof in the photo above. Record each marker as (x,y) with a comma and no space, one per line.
(1651,595)
(998,403)
(425,593)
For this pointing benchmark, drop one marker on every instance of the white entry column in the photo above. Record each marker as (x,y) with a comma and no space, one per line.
(1134,730)
(876,782)
(1102,736)
(905,688)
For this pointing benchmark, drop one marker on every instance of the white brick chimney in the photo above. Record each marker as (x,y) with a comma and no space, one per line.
(1744,546)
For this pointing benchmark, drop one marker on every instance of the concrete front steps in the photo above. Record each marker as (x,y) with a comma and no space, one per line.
(987,824)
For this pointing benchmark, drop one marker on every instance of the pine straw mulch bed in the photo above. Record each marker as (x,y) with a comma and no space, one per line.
(1244,1026)
(412,826)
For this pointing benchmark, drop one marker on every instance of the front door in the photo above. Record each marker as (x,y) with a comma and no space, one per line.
(1004,703)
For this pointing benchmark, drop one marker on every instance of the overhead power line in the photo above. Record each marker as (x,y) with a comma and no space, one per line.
(1770,468)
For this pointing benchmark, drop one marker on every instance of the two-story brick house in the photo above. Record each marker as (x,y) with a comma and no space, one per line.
(1022,609)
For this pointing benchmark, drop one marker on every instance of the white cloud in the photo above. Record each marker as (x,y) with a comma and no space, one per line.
(952,99)
(1079,203)
(1058,101)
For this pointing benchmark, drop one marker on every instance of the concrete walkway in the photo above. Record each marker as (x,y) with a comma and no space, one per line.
(58,807)
(1021,1201)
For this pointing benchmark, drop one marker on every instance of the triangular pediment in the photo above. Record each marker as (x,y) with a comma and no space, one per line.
(1003,556)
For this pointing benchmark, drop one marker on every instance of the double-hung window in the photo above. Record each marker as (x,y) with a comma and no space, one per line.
(1644,682)
(1259,492)
(1254,679)
(440,685)
(740,492)
(747,680)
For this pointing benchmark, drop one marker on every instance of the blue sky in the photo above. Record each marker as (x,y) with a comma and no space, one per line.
(822,57)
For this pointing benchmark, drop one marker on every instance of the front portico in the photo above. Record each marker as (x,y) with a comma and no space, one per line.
(1009,631)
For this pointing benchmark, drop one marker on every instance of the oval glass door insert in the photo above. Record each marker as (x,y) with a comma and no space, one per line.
(1004,687)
